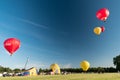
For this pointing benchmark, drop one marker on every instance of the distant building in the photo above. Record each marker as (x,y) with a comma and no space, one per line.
(31,72)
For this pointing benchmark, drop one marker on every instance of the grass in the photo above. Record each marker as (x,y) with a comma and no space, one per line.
(92,76)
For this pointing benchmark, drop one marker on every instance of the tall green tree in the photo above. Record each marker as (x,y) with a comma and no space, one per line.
(17,70)
(7,69)
(116,62)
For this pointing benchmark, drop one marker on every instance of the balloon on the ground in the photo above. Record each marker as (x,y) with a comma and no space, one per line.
(97,30)
(85,65)
(102,28)
(55,68)
(11,45)
(102,14)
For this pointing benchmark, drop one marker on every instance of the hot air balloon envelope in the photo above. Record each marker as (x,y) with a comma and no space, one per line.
(11,45)
(102,14)
(55,68)
(97,30)
(102,28)
(85,65)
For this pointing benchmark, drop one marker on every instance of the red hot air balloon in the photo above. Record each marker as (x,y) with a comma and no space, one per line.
(11,45)
(102,14)
(102,28)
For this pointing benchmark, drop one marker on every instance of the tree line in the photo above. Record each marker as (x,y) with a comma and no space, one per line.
(116,62)
(79,70)
(72,70)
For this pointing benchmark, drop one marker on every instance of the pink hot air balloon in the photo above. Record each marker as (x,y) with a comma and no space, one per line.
(11,45)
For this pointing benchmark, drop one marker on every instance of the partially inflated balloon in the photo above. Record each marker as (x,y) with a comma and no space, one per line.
(11,45)
(102,28)
(102,14)
(97,30)
(55,68)
(85,65)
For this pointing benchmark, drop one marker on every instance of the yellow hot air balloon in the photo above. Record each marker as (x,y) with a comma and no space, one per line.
(85,65)
(55,68)
(97,30)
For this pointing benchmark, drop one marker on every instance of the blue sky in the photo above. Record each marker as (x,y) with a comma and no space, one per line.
(59,31)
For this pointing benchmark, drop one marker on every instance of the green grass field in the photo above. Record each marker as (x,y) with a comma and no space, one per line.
(92,76)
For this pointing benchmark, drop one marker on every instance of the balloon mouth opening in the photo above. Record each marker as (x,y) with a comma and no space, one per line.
(104,19)
(85,70)
(10,54)
(99,34)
